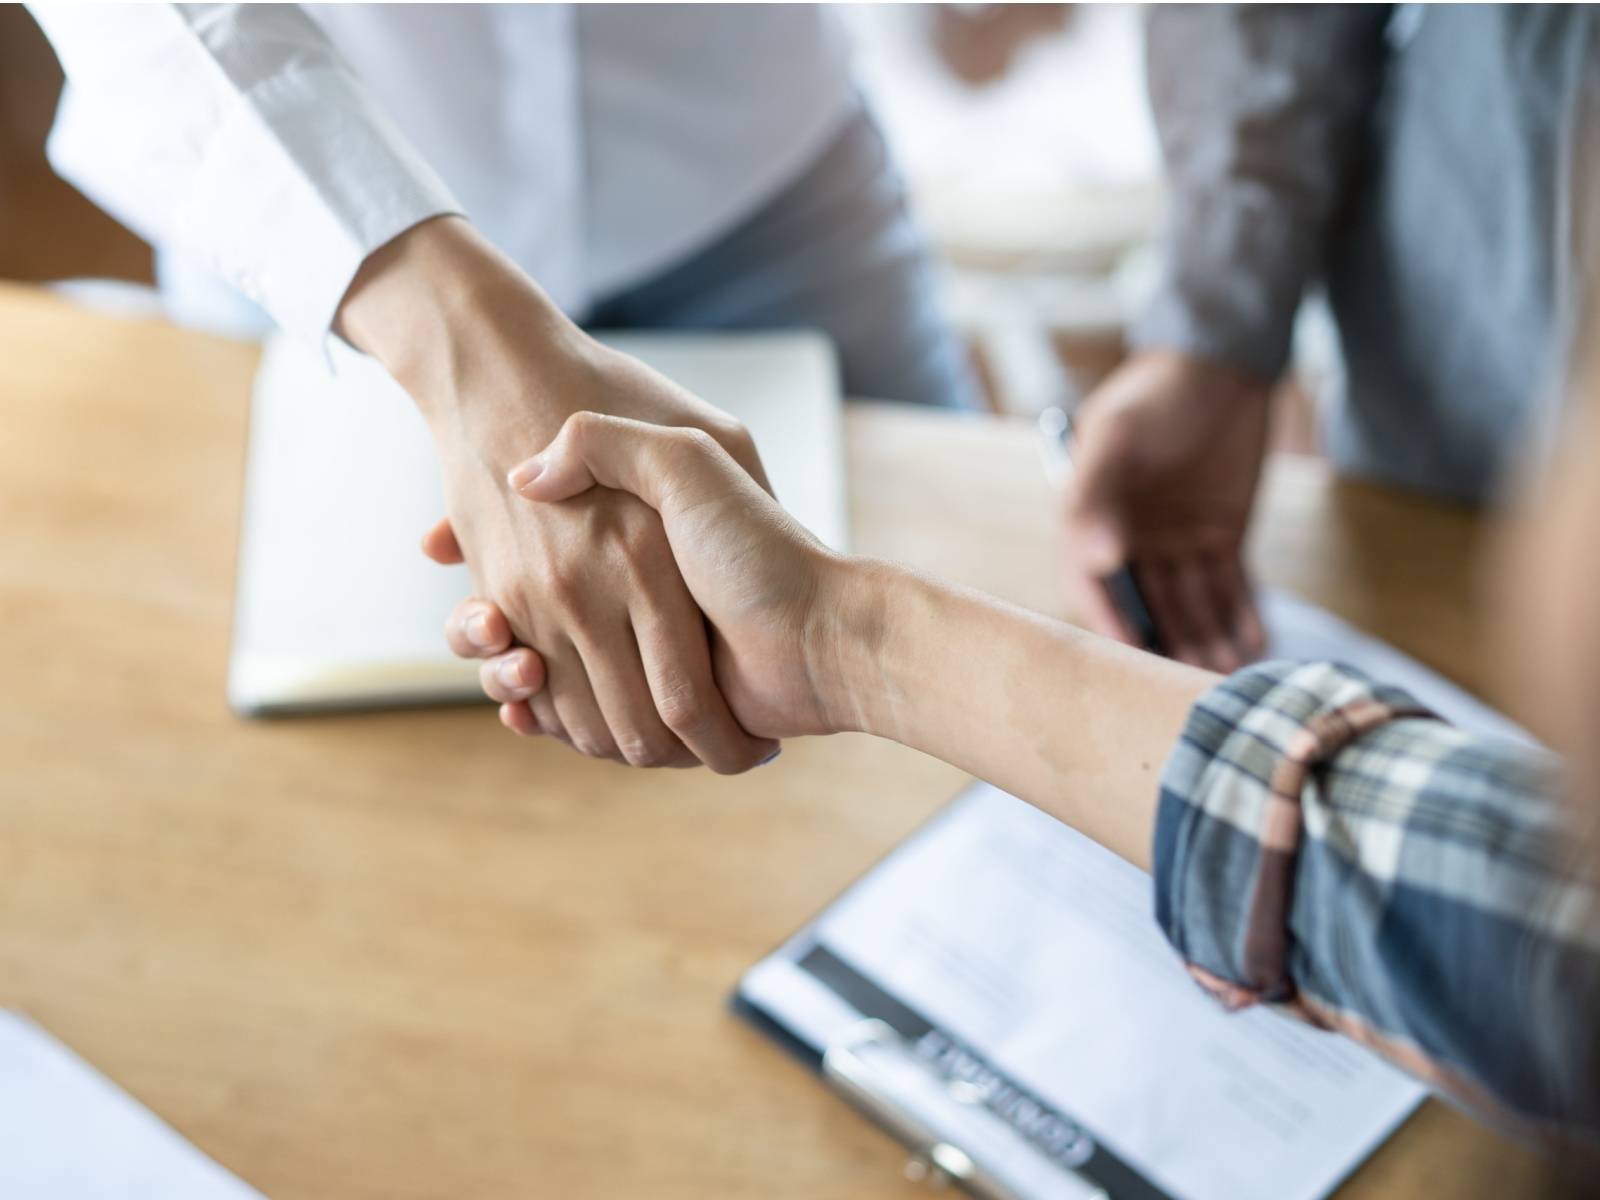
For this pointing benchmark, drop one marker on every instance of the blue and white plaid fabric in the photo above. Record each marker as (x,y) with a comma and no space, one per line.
(1324,844)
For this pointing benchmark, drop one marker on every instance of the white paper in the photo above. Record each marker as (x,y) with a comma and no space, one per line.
(68,1133)
(1300,630)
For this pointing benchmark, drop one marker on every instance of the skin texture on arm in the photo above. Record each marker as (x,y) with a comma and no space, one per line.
(1077,725)
(495,367)
(815,642)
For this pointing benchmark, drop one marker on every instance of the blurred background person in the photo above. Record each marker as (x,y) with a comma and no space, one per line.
(1411,161)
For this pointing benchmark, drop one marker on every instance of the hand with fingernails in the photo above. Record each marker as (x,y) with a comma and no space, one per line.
(1168,452)
(623,668)
(760,578)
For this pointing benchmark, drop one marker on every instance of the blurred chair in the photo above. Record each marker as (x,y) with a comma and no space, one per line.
(1042,279)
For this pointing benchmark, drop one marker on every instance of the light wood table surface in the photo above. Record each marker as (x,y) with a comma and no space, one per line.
(405,955)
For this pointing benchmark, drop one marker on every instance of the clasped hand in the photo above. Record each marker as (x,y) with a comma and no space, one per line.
(624,667)
(766,586)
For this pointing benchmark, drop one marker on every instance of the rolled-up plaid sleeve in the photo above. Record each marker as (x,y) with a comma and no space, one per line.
(1325,844)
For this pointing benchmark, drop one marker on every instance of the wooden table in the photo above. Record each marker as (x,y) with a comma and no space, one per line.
(404,955)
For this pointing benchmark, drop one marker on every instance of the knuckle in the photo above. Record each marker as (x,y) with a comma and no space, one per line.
(564,587)
(640,537)
(697,441)
(642,750)
(487,681)
(724,766)
(684,711)
(731,431)
(590,746)
(736,761)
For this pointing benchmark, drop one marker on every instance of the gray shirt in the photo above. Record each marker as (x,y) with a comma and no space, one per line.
(1416,163)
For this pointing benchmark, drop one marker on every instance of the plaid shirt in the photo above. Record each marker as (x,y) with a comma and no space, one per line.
(1325,844)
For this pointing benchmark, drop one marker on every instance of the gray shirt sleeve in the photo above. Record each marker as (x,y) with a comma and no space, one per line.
(1260,110)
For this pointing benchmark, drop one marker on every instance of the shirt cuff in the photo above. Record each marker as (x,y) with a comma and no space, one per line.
(264,158)
(345,184)
(1229,821)
(1233,268)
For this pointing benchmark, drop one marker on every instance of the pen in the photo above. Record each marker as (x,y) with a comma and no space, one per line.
(1056,434)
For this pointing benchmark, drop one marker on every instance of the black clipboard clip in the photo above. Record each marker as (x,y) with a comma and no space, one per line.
(874,1068)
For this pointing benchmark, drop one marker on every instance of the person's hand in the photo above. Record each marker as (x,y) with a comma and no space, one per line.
(767,587)
(1169,450)
(590,586)
(807,641)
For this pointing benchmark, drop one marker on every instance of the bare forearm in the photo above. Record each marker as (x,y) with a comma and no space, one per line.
(1073,723)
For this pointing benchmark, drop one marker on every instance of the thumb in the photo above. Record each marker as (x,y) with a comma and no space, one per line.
(440,544)
(1094,518)
(1098,543)
(660,464)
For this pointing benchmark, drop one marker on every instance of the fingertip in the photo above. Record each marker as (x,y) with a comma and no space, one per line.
(518,718)
(440,544)
(533,672)
(485,629)
(513,676)
(476,629)
(522,477)
(1099,548)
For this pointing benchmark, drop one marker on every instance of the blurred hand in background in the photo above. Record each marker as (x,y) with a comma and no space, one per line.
(1169,451)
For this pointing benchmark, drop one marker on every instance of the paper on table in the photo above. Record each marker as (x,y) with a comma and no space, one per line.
(68,1133)
(1297,629)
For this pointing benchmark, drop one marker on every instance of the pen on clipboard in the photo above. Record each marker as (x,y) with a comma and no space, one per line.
(1056,436)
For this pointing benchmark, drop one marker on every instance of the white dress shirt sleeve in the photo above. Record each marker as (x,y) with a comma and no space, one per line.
(240,135)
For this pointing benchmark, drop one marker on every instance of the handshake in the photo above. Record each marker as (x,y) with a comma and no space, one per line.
(643,598)
(700,622)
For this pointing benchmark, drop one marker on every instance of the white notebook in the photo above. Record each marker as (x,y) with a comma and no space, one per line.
(336,606)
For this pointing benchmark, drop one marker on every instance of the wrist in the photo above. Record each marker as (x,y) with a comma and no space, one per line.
(441,308)
(1215,377)
(850,645)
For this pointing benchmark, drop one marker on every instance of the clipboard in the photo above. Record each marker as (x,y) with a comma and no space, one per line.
(899,1043)
(954,1095)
